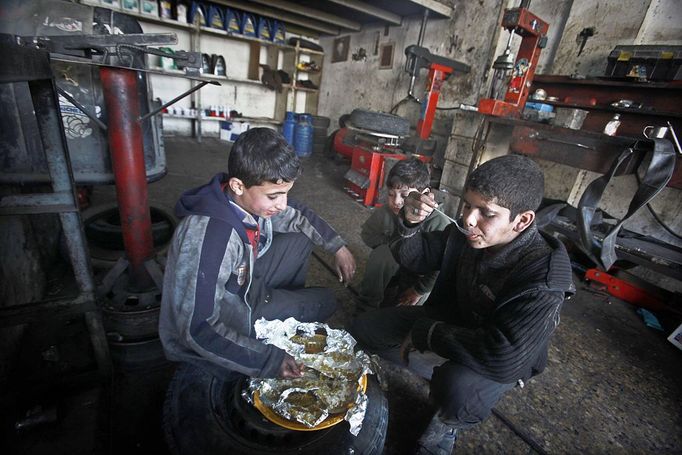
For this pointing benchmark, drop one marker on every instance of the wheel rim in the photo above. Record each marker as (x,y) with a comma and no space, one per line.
(242,419)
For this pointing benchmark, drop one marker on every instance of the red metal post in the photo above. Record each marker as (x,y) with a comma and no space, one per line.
(127,158)
(437,75)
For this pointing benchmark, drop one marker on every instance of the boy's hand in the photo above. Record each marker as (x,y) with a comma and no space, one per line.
(345,265)
(418,206)
(409,297)
(289,368)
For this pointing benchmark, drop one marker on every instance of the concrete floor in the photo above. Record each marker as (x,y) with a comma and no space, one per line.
(612,385)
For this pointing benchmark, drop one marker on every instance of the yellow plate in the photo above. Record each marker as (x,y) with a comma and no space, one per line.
(293,425)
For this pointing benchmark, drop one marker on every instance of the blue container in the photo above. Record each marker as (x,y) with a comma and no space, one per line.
(233,21)
(288,127)
(249,26)
(303,136)
(542,107)
(264,31)
(216,17)
(278,32)
(198,12)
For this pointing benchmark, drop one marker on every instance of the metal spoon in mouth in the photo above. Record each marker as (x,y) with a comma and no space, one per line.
(461,229)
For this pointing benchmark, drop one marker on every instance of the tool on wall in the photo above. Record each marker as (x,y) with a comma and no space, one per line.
(516,74)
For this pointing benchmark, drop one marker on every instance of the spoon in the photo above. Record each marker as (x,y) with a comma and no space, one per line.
(461,229)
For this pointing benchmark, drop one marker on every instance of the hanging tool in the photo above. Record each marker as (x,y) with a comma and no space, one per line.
(518,73)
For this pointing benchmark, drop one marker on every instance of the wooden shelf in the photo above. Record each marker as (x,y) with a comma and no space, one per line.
(285,100)
(222,119)
(234,80)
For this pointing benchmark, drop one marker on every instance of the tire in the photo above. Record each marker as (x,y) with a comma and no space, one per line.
(343,120)
(380,122)
(206,415)
(103,233)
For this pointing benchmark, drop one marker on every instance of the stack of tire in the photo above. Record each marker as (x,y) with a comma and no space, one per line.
(320,129)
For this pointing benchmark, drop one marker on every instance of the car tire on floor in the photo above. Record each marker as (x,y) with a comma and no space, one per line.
(204,414)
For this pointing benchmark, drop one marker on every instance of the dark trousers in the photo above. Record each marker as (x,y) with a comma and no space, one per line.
(278,283)
(462,397)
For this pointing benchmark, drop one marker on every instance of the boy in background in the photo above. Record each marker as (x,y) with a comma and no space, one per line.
(385,282)
(239,253)
(487,324)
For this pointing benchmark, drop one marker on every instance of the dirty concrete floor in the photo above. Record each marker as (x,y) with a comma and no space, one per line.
(612,385)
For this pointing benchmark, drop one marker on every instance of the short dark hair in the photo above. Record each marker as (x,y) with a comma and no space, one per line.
(411,173)
(511,181)
(262,155)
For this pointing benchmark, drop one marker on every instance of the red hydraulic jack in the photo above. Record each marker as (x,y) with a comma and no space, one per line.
(632,290)
(533,32)
(144,279)
(127,160)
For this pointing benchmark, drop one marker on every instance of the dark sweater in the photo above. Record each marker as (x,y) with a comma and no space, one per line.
(493,312)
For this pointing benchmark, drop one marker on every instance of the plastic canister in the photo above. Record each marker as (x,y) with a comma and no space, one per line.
(198,13)
(303,135)
(248,25)
(165,9)
(288,127)
(264,28)
(182,9)
(278,31)
(216,17)
(233,22)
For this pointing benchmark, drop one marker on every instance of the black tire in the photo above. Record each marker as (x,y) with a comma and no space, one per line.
(206,415)
(141,355)
(380,122)
(343,120)
(103,233)
(321,122)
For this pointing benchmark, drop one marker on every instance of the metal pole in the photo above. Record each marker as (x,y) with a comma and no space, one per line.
(127,159)
(59,167)
(422,27)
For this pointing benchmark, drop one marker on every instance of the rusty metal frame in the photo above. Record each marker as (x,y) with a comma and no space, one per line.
(24,65)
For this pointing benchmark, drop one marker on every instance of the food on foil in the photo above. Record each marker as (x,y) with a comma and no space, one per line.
(332,377)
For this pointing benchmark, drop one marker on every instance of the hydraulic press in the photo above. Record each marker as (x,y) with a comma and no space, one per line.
(516,74)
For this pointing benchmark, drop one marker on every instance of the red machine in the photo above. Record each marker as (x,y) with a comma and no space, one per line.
(440,69)
(374,152)
(519,74)
(372,156)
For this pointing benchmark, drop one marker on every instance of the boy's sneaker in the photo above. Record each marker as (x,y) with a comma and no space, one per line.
(438,439)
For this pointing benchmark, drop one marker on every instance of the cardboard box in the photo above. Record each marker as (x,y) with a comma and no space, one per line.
(230,131)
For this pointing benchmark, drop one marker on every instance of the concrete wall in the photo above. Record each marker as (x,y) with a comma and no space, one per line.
(472,35)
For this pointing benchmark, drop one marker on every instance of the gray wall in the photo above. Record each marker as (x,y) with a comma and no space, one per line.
(472,36)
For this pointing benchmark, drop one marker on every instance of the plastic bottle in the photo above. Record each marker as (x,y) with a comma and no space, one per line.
(288,127)
(611,127)
(303,136)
